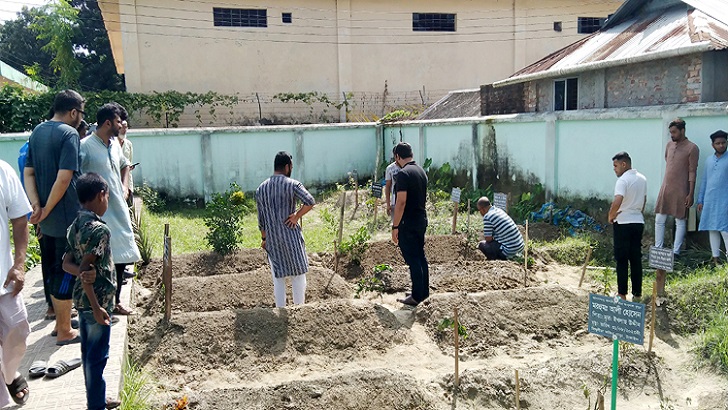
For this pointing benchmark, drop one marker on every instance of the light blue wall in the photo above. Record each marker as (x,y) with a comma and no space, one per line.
(569,153)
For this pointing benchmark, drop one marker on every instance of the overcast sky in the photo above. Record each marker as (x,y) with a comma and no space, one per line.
(9,8)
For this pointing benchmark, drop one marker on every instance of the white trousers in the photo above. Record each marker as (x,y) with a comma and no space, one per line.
(715,242)
(14,331)
(681,227)
(298,283)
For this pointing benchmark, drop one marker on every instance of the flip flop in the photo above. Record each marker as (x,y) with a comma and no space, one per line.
(74,325)
(111,403)
(37,369)
(62,367)
(76,339)
(17,386)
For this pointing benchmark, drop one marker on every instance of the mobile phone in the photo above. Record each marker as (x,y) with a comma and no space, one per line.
(133,165)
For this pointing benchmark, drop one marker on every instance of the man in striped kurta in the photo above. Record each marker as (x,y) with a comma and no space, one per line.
(279,229)
(503,240)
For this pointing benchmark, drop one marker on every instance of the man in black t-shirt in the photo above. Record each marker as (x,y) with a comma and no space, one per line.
(410,221)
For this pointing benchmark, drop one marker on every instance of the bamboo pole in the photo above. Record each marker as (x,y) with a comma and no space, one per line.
(518,392)
(586,263)
(525,257)
(654,316)
(167,274)
(455,218)
(456,335)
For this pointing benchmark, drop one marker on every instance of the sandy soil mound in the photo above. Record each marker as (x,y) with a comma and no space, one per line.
(245,343)
(462,276)
(206,264)
(363,390)
(241,291)
(513,321)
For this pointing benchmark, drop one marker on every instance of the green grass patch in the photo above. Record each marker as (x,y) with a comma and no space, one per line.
(713,345)
(568,251)
(698,300)
(186,227)
(136,392)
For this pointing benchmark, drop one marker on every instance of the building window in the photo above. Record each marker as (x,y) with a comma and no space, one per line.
(566,94)
(287,18)
(433,22)
(224,17)
(587,25)
(557,26)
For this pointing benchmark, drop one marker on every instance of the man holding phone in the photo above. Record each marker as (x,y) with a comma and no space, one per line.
(127,148)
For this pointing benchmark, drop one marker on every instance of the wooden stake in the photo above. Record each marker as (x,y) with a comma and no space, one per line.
(467,221)
(518,392)
(341,218)
(455,218)
(336,267)
(167,274)
(525,257)
(456,335)
(376,206)
(654,315)
(586,263)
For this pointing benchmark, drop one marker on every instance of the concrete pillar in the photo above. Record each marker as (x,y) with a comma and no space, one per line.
(344,54)
(299,161)
(208,177)
(552,161)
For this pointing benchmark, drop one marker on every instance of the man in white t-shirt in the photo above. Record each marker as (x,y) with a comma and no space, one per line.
(14,327)
(392,170)
(630,195)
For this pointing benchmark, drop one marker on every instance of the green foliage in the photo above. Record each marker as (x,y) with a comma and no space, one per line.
(356,245)
(398,115)
(151,199)
(568,250)
(136,392)
(141,235)
(605,278)
(371,284)
(527,203)
(698,300)
(448,323)
(20,48)
(56,27)
(713,345)
(314,97)
(224,219)
(21,110)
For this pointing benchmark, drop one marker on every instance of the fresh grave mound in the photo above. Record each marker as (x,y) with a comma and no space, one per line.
(462,276)
(513,321)
(242,291)
(249,342)
(560,382)
(206,264)
(438,249)
(365,390)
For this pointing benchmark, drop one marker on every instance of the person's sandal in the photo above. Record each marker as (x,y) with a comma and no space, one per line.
(19,385)
(121,310)
(112,404)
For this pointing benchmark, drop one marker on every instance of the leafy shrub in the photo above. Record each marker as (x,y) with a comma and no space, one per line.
(32,254)
(151,199)
(447,323)
(224,219)
(141,235)
(356,245)
(713,346)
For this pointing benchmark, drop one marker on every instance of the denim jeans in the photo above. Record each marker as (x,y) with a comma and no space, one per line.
(412,245)
(94,354)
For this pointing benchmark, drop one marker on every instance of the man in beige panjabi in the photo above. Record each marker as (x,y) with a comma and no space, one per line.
(677,192)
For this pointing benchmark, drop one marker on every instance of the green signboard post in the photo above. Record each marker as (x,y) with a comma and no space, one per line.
(618,320)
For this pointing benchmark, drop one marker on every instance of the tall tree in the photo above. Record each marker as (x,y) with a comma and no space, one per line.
(62,44)
(20,48)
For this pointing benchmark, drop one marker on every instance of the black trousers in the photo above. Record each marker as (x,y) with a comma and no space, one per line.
(412,245)
(56,282)
(492,250)
(628,254)
(120,267)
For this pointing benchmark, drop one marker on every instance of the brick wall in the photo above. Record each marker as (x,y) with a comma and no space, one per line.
(502,100)
(668,81)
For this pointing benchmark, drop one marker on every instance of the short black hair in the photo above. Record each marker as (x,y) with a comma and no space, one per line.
(107,112)
(719,134)
(123,114)
(67,100)
(403,149)
(622,156)
(89,185)
(283,158)
(678,123)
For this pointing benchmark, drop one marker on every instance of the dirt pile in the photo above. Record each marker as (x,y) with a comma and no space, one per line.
(512,321)
(248,342)
(242,291)
(206,264)
(363,390)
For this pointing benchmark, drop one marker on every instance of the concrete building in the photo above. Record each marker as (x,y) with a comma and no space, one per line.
(650,53)
(9,75)
(373,53)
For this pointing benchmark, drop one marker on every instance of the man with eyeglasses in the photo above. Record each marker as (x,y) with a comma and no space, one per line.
(51,170)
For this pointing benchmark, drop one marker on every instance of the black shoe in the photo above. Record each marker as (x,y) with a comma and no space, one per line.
(408,301)
(129,275)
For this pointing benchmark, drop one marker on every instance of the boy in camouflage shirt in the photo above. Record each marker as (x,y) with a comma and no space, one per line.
(88,256)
